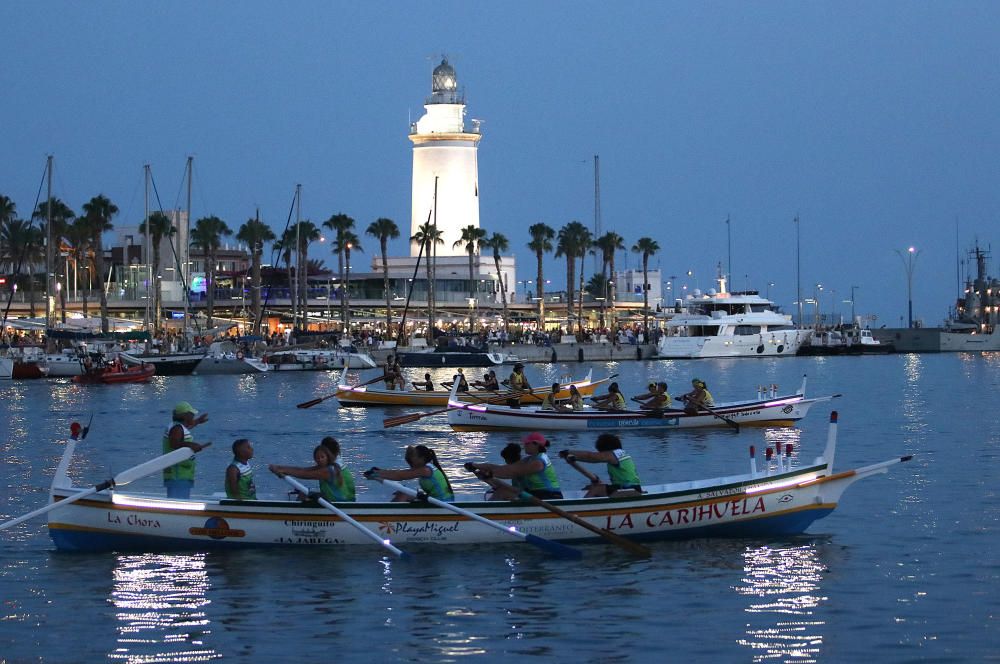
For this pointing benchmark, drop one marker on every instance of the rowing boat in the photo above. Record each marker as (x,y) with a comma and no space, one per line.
(770,501)
(369,395)
(765,410)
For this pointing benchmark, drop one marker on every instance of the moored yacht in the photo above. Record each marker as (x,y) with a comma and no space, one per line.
(724,324)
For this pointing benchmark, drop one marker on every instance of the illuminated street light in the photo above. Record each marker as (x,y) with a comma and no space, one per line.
(909,262)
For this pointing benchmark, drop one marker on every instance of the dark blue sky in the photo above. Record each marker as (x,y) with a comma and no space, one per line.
(876,123)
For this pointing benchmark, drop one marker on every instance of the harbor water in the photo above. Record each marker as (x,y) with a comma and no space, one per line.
(905,569)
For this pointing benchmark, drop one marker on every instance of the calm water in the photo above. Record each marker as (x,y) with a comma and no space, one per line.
(907,567)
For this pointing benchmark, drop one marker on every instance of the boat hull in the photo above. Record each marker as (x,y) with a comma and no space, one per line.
(780,411)
(133,374)
(777,344)
(937,340)
(319,360)
(181,364)
(740,506)
(432,359)
(230,366)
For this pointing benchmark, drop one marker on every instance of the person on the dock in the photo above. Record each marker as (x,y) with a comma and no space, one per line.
(425,468)
(660,399)
(621,467)
(697,397)
(239,472)
(575,398)
(179,478)
(535,471)
(551,403)
(336,483)
(511,453)
(426,384)
(613,400)
(463,384)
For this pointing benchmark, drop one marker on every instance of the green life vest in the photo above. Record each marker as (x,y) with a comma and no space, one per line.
(244,486)
(545,479)
(338,492)
(185,469)
(436,486)
(624,473)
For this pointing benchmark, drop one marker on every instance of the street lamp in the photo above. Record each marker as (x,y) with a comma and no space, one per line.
(816,294)
(853,288)
(768,295)
(909,262)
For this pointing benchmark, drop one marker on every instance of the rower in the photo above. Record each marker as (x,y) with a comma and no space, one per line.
(535,470)
(613,400)
(621,467)
(463,384)
(697,397)
(659,400)
(423,466)
(550,402)
(426,384)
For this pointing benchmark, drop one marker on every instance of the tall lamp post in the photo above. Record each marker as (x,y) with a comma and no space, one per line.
(853,288)
(909,262)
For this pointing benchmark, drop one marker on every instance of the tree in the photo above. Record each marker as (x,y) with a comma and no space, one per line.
(574,240)
(607,245)
(385,229)
(647,247)
(21,248)
(340,223)
(499,244)
(62,215)
(8,209)
(472,238)
(207,236)
(98,212)
(541,244)
(78,236)
(159,228)
(285,246)
(254,233)
(429,235)
(351,242)
(306,233)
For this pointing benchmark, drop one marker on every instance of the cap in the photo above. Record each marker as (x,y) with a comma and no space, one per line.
(183,408)
(535,437)
(698,381)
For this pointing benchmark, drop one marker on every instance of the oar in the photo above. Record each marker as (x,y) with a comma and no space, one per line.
(554,548)
(386,544)
(731,422)
(632,547)
(124,477)
(571,460)
(319,400)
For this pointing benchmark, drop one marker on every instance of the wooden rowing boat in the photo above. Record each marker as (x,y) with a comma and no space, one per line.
(772,411)
(369,395)
(776,500)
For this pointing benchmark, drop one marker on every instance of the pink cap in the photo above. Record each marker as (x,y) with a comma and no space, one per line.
(535,437)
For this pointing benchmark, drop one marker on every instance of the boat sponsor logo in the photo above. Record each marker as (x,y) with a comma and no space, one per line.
(633,422)
(787,409)
(307,532)
(417,532)
(786,498)
(133,520)
(690,516)
(217,528)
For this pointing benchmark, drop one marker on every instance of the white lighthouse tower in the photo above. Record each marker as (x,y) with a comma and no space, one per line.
(443,149)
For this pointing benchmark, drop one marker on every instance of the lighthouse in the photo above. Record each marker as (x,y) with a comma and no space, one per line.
(445,151)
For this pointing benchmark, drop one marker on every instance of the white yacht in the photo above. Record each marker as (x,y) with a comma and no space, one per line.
(730,325)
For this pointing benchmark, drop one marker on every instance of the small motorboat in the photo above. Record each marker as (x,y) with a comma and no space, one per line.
(116,373)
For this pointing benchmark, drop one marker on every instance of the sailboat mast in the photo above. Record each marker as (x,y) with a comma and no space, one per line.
(48,246)
(798,269)
(597,207)
(432,255)
(186,247)
(296,305)
(145,216)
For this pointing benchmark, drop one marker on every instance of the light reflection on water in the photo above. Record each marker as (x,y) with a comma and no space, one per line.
(161,603)
(783,585)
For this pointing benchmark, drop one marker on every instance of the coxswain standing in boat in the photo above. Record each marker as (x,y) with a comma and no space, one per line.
(535,471)
(621,467)
(697,397)
(613,400)
(518,384)
(336,483)
(239,473)
(425,468)
(179,479)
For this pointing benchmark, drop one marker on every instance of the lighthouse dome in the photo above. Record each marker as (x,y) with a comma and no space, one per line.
(443,79)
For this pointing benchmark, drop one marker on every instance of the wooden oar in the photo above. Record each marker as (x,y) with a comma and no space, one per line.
(571,460)
(554,548)
(314,402)
(632,547)
(124,477)
(731,422)
(384,543)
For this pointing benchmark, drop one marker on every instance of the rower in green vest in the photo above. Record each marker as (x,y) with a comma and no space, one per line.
(621,467)
(336,483)
(425,468)
(179,479)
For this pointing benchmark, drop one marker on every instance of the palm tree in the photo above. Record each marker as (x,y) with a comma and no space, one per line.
(22,248)
(62,215)
(207,236)
(647,247)
(254,233)
(541,244)
(608,244)
(472,238)
(351,242)
(8,209)
(499,244)
(285,246)
(159,228)
(98,212)
(430,235)
(340,223)
(385,229)
(574,241)
(307,232)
